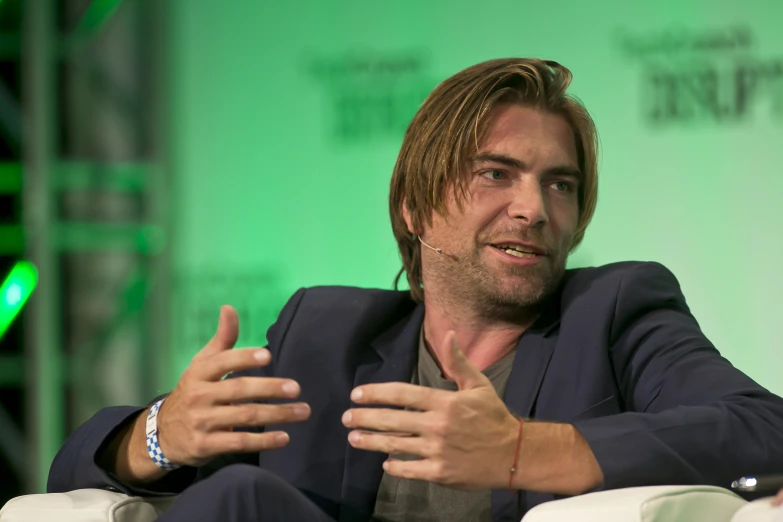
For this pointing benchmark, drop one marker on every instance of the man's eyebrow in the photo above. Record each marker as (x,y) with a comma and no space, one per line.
(564,171)
(486,157)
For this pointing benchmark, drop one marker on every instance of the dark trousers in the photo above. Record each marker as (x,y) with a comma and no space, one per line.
(243,493)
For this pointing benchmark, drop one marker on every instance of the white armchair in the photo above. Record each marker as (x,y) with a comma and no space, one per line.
(760,510)
(84,505)
(645,504)
(656,504)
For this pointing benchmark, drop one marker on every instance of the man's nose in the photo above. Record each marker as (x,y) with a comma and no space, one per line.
(528,203)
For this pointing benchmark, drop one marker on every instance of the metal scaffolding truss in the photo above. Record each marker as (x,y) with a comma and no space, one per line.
(96,218)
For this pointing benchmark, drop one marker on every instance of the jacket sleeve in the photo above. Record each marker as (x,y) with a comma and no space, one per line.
(690,416)
(76,465)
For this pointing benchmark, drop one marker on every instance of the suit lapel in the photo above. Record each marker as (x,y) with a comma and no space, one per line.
(533,353)
(391,359)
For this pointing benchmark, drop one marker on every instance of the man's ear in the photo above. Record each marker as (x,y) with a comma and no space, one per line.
(406,215)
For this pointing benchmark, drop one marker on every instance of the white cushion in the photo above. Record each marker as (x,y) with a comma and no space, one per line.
(760,510)
(84,505)
(646,504)
(643,504)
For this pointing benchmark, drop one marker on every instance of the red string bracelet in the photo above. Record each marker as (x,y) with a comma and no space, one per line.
(516,458)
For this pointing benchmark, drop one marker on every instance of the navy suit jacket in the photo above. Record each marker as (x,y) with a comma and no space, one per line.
(617,354)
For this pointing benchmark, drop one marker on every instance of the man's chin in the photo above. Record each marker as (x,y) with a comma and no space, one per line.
(512,286)
(526,290)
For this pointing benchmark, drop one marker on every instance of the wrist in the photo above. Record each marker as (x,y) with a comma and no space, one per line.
(530,459)
(152,437)
(132,464)
(500,457)
(555,458)
(516,448)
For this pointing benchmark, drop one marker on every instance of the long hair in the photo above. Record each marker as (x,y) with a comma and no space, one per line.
(449,127)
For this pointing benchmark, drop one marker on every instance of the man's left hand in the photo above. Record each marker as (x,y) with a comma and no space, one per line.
(465,439)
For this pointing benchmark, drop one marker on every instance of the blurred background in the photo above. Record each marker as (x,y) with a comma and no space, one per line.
(159,158)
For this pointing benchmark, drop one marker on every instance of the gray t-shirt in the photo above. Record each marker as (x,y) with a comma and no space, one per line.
(421,501)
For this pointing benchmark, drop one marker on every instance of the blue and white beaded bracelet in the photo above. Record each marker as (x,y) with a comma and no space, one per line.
(153,446)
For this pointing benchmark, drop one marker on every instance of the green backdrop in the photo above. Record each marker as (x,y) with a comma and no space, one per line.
(287,118)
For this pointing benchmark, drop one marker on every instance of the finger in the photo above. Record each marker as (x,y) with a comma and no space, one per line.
(390,444)
(250,415)
(215,367)
(244,442)
(227,331)
(457,367)
(778,501)
(400,394)
(379,419)
(422,469)
(242,389)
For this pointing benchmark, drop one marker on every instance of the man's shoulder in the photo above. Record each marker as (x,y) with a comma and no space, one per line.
(342,314)
(625,284)
(347,303)
(353,296)
(616,273)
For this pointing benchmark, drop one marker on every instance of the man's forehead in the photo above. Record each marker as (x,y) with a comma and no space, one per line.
(527,135)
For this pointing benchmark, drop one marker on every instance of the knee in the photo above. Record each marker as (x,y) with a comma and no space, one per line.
(249,488)
(237,492)
(246,492)
(239,476)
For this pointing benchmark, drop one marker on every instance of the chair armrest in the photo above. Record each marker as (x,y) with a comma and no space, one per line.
(643,504)
(84,505)
(760,510)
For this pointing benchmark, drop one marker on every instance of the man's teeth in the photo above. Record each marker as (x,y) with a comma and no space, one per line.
(516,251)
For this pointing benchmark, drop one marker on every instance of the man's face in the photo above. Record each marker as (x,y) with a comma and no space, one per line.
(508,247)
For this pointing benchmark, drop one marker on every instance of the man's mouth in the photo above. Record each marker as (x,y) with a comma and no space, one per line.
(518,250)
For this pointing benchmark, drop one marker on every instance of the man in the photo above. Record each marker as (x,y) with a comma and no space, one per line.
(408,404)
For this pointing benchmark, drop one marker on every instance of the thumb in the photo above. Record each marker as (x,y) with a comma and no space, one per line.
(459,368)
(227,331)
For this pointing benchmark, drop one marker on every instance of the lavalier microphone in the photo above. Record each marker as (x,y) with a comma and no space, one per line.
(437,250)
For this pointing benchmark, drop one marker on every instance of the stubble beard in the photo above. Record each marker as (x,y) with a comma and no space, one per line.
(511,296)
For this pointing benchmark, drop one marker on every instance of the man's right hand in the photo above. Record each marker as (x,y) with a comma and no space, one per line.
(196,421)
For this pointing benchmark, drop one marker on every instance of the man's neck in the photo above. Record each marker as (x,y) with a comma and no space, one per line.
(483,341)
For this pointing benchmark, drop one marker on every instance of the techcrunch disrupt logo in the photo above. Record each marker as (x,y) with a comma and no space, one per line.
(372,95)
(713,76)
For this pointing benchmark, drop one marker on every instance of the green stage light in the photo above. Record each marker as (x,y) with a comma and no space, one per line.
(13,295)
(15,291)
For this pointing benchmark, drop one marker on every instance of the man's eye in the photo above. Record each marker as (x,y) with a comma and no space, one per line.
(495,174)
(563,186)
